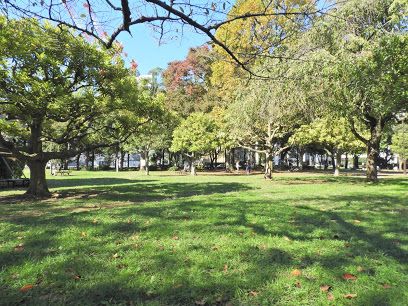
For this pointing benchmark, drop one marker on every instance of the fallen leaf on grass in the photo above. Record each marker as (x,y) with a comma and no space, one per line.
(287,238)
(76,277)
(350,295)
(296,272)
(225,268)
(348,276)
(175,238)
(116,255)
(262,247)
(253,293)
(26,288)
(200,302)
(298,284)
(356,221)
(19,247)
(94,221)
(83,234)
(386,286)
(360,269)
(325,288)
(330,296)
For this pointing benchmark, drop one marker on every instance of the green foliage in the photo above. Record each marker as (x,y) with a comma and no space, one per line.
(332,134)
(61,94)
(197,134)
(400,141)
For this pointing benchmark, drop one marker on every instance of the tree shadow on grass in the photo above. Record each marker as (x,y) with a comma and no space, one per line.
(165,277)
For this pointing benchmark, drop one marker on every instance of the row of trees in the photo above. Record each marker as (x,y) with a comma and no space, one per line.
(335,81)
(338,84)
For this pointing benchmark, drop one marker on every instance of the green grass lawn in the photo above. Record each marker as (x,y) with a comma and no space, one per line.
(127,239)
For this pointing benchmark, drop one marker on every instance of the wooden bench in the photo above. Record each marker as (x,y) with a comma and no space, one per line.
(14,183)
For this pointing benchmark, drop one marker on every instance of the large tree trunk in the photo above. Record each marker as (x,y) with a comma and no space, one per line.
(373,150)
(38,183)
(355,161)
(268,165)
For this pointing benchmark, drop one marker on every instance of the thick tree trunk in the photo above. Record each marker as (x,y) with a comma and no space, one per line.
(268,166)
(337,163)
(38,183)
(355,161)
(372,160)
(193,169)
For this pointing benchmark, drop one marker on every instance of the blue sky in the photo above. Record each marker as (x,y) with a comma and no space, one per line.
(145,49)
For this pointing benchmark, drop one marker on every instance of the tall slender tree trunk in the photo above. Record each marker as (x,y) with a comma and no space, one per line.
(405,166)
(87,160)
(337,163)
(78,166)
(128,160)
(93,160)
(300,159)
(346,162)
(147,170)
(38,183)
(117,161)
(122,159)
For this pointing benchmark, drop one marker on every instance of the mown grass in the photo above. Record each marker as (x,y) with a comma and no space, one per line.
(128,239)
